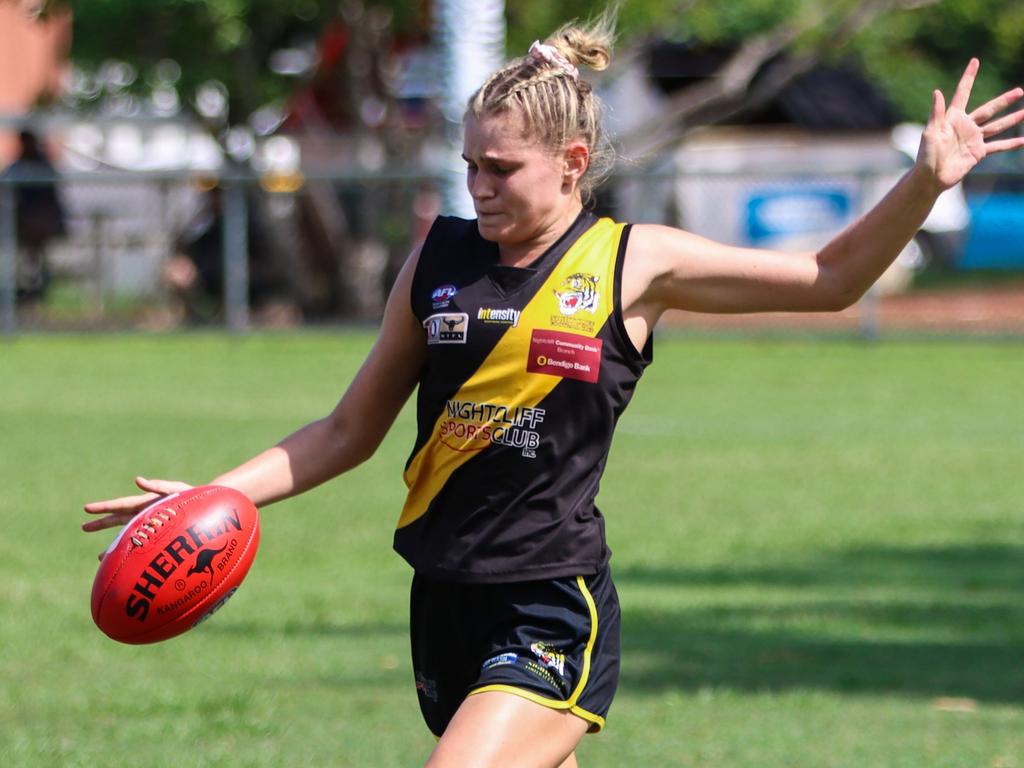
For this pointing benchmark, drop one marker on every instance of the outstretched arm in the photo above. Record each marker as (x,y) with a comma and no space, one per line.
(355,428)
(329,446)
(954,142)
(670,269)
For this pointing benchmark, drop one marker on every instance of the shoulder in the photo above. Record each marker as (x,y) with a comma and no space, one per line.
(449,234)
(646,256)
(449,229)
(648,240)
(452,256)
(656,250)
(665,267)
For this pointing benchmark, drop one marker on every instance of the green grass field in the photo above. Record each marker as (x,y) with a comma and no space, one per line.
(819,548)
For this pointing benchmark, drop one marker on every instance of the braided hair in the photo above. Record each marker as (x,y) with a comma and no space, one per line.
(557,105)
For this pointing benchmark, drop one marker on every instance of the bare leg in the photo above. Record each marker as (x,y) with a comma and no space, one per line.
(502,730)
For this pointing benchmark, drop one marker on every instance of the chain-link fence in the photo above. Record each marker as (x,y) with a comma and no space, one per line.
(159,250)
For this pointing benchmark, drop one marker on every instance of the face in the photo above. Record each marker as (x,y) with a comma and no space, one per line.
(521,190)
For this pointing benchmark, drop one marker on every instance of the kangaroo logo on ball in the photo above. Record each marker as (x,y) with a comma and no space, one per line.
(204,561)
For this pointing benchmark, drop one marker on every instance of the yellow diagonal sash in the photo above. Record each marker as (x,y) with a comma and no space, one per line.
(501,382)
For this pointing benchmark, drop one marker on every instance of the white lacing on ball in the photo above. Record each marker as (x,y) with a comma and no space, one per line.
(156,521)
(152,524)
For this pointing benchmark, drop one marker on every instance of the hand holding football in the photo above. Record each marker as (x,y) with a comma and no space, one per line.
(174,564)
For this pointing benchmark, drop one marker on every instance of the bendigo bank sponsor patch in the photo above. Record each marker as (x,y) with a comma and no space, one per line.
(568,355)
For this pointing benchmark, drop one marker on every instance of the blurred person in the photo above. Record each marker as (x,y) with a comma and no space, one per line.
(525,332)
(40,215)
(194,273)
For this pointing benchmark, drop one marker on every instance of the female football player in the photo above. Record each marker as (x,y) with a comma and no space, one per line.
(524,333)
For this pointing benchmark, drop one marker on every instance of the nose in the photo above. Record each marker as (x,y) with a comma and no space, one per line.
(479,186)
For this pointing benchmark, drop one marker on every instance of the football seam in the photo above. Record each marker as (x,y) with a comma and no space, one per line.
(106,588)
(113,576)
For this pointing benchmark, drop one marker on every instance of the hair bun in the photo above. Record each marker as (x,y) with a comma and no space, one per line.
(582,47)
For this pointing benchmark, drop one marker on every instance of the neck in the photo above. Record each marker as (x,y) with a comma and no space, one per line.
(525,253)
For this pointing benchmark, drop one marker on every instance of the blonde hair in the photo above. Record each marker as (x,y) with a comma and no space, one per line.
(556,104)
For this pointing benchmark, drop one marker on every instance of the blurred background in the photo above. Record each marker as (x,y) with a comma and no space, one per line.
(252,164)
(818,541)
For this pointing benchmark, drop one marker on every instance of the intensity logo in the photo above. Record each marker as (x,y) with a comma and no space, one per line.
(499,316)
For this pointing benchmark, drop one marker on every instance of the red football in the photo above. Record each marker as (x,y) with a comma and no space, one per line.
(175,563)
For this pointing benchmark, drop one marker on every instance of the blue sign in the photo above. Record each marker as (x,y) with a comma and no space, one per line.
(994,237)
(796,210)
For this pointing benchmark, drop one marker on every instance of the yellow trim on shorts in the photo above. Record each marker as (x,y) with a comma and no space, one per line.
(570,703)
(596,721)
(590,641)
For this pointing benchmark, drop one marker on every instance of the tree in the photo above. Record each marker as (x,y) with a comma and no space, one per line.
(224,41)
(810,33)
(907,46)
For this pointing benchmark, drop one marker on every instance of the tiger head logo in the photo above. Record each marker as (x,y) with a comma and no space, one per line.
(578,292)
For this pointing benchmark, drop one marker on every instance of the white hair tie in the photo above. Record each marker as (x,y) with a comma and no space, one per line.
(543,52)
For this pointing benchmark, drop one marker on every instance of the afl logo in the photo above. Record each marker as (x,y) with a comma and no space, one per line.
(442,295)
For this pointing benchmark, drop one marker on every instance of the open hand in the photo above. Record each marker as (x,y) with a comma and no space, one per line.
(954,141)
(120,510)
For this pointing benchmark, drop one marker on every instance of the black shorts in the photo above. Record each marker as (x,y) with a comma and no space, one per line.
(555,642)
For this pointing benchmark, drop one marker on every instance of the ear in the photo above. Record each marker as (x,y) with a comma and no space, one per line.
(576,160)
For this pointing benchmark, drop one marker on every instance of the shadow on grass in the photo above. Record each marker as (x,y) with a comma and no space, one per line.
(923,622)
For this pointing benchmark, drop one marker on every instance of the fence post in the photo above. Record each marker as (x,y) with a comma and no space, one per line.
(868,308)
(470,36)
(97,266)
(236,257)
(8,259)
(869,315)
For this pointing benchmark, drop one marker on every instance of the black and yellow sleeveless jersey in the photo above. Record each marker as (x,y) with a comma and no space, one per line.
(527,372)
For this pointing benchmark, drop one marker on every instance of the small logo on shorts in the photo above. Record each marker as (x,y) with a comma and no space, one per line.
(500,660)
(426,688)
(549,657)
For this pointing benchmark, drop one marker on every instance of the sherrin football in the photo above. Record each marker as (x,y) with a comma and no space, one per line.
(174,564)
